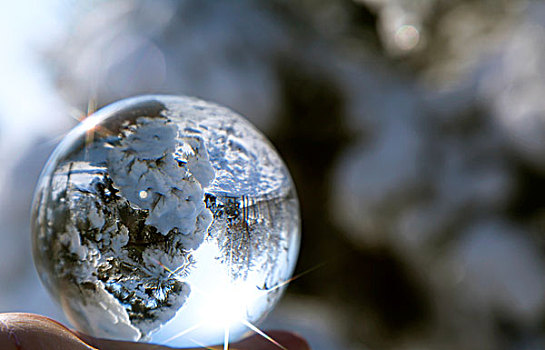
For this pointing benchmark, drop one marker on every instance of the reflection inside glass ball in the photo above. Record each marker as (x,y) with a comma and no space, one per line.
(165,219)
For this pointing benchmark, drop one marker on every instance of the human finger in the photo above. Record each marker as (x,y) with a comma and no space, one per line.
(20,331)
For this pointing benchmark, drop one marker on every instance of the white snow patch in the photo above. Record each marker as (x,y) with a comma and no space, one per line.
(104,316)
(144,161)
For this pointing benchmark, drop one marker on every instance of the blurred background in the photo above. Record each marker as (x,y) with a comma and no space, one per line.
(414,130)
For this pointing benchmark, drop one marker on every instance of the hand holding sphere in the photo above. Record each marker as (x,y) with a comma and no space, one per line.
(167,220)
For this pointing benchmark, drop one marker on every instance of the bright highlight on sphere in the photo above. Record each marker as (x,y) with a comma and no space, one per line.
(165,219)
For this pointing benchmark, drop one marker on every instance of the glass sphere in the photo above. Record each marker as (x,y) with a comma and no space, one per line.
(165,219)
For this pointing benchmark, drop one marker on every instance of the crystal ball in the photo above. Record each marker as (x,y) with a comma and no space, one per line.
(165,219)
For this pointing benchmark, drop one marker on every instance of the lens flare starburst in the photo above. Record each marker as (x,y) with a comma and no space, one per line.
(225,306)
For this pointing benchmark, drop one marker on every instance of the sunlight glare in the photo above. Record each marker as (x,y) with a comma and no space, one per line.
(226,305)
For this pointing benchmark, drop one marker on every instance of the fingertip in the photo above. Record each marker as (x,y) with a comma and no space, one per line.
(29,331)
